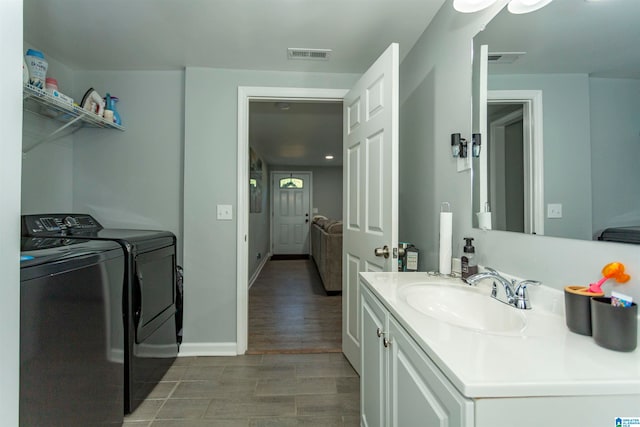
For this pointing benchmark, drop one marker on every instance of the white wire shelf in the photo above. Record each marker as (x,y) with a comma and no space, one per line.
(40,102)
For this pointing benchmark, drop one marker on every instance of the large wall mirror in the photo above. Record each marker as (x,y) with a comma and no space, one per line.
(557,100)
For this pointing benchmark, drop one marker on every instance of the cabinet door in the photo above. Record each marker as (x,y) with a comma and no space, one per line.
(420,394)
(373,366)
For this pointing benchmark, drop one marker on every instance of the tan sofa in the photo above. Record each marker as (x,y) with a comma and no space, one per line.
(326,251)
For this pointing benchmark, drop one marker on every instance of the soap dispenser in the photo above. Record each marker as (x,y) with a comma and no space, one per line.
(468,260)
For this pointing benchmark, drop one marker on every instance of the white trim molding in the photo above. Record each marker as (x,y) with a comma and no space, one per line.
(208,349)
(532,121)
(259,269)
(245,95)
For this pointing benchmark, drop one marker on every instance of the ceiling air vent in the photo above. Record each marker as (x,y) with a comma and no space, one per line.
(504,57)
(309,54)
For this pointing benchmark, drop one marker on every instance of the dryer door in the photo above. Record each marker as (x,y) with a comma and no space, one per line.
(154,290)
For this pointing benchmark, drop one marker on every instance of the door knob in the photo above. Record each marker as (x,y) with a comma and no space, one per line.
(383,251)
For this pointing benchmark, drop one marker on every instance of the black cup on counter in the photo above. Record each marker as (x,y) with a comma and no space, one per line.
(615,328)
(577,309)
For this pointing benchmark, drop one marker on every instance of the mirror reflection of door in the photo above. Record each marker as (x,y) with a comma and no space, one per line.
(506,166)
(509,170)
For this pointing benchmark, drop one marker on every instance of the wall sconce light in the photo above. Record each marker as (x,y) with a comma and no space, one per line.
(458,146)
(476,142)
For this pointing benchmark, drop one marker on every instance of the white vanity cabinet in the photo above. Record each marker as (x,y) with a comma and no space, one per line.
(400,385)
(548,376)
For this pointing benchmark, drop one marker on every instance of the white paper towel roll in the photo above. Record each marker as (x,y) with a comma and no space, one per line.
(484,220)
(446,236)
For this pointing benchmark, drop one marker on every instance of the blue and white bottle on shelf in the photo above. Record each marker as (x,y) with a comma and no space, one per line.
(116,115)
(110,104)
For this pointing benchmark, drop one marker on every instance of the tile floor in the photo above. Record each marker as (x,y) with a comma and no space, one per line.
(264,390)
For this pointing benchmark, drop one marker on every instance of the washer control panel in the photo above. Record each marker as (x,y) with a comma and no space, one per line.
(62,224)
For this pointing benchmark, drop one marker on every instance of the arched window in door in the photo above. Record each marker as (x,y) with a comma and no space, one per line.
(291,183)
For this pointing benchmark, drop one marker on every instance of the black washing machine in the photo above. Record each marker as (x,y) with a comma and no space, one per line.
(150,294)
(71,333)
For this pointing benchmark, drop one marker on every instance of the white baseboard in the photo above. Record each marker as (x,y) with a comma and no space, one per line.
(259,269)
(208,349)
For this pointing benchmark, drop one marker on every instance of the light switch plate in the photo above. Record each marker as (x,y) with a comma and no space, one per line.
(463,163)
(554,210)
(225,212)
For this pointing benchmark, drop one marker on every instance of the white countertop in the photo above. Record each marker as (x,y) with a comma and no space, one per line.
(549,360)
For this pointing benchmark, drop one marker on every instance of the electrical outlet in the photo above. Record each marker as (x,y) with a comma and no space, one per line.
(554,210)
(456,265)
(224,212)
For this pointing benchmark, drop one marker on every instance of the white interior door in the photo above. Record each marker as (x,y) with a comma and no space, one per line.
(370,186)
(291,209)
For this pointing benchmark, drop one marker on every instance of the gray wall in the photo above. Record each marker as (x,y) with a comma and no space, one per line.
(133,179)
(435,101)
(10,165)
(327,191)
(615,151)
(567,148)
(47,170)
(259,227)
(211,110)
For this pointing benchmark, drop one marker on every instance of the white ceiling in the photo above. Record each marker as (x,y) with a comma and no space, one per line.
(236,34)
(300,136)
(255,34)
(243,34)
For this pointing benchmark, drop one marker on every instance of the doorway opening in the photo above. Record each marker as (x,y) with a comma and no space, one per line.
(512,168)
(507,178)
(298,269)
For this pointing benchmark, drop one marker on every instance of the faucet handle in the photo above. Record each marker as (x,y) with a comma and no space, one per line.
(521,286)
(522,297)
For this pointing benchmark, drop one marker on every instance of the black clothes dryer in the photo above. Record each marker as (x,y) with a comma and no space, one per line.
(71,333)
(149,296)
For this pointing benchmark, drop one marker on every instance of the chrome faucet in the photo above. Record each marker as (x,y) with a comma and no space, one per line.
(514,293)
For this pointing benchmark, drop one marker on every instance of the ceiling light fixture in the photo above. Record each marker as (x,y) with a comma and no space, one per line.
(526,6)
(470,6)
(515,6)
(328,157)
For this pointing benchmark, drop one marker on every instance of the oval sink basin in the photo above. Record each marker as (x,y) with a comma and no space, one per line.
(468,308)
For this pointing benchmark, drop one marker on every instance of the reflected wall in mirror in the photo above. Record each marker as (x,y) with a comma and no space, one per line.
(557,99)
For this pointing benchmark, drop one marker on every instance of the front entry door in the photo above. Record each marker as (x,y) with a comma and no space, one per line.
(370,186)
(291,209)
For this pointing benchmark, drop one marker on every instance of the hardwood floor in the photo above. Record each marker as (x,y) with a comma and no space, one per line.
(289,311)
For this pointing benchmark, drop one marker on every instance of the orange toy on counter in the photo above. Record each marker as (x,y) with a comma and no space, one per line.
(614,270)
